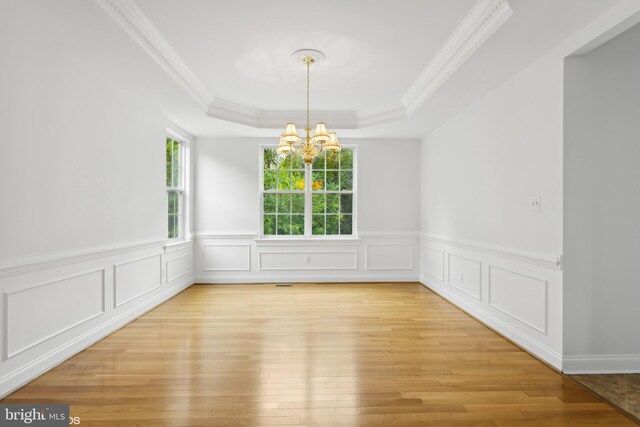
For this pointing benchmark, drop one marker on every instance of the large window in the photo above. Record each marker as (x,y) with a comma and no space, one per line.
(175,188)
(314,201)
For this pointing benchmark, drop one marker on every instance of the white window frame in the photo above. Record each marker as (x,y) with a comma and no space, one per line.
(182,189)
(308,193)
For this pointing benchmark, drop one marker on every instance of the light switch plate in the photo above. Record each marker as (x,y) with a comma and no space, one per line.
(534,204)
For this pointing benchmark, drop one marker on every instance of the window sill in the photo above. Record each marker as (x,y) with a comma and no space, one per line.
(176,245)
(307,241)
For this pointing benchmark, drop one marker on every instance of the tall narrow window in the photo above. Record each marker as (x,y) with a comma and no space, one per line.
(312,202)
(175,188)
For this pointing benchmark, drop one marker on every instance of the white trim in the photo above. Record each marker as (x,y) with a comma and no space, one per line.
(23,375)
(176,136)
(382,114)
(529,344)
(544,282)
(354,253)
(431,273)
(309,241)
(265,119)
(224,245)
(166,268)
(602,364)
(238,234)
(115,280)
(296,278)
(10,267)
(6,354)
(138,26)
(553,262)
(389,234)
(614,22)
(171,247)
(366,256)
(482,21)
(449,255)
(356,238)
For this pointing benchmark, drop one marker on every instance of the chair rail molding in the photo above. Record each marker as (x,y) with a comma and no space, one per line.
(9,267)
(543,260)
(221,234)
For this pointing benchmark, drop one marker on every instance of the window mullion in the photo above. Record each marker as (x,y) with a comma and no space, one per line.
(307,200)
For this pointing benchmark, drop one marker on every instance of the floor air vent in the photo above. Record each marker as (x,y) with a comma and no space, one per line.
(283,284)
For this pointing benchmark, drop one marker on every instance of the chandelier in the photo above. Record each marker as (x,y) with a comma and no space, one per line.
(290,142)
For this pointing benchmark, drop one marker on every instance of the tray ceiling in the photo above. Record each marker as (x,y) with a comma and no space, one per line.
(388,61)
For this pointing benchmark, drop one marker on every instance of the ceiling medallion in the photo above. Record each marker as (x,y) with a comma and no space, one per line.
(290,142)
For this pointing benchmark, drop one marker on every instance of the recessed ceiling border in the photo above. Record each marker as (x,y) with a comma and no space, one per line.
(482,21)
(126,14)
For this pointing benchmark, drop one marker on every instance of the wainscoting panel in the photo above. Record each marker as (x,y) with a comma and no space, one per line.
(521,297)
(518,294)
(40,312)
(464,275)
(59,304)
(178,267)
(433,262)
(136,278)
(283,260)
(388,256)
(226,257)
(240,256)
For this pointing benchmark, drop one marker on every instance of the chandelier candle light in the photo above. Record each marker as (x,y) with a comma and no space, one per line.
(312,146)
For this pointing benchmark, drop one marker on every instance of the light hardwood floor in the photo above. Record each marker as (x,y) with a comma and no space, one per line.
(313,354)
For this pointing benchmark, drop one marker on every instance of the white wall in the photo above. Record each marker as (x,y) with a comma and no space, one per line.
(602,207)
(228,198)
(83,161)
(227,203)
(83,198)
(480,169)
(483,248)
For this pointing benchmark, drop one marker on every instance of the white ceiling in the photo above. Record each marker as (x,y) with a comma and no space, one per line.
(239,52)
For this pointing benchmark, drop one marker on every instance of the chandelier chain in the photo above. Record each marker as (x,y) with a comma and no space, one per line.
(308,92)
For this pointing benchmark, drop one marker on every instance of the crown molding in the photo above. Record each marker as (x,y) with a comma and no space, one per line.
(482,21)
(126,14)
(225,110)
(377,115)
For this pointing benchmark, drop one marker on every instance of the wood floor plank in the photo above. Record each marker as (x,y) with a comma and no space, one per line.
(313,355)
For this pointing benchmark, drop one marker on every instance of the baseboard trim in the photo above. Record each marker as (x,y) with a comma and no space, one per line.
(602,364)
(532,347)
(22,376)
(249,279)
